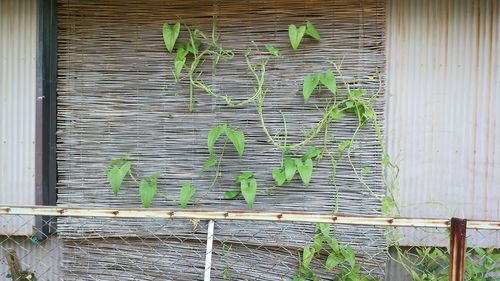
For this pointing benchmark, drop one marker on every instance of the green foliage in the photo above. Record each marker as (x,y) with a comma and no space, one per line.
(191,55)
(209,163)
(26,275)
(311,31)
(226,272)
(295,33)
(305,170)
(303,165)
(231,194)
(119,168)
(187,191)
(329,81)
(170,35)
(310,83)
(235,136)
(432,264)
(180,60)
(117,173)
(147,189)
(238,140)
(290,168)
(248,187)
(273,51)
(213,135)
(193,49)
(279,176)
(388,206)
(339,258)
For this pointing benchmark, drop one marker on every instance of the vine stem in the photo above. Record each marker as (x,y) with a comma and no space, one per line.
(217,172)
(132,176)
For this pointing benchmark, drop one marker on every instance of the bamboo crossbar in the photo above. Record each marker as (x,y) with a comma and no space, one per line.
(242,215)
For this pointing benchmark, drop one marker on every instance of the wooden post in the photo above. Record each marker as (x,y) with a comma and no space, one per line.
(15,268)
(457,249)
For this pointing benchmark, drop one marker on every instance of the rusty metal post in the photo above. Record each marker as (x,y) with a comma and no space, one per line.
(457,249)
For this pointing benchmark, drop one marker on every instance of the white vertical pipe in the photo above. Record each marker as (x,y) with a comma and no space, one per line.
(208,255)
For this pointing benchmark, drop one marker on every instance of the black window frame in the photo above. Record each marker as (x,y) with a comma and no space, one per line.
(46,113)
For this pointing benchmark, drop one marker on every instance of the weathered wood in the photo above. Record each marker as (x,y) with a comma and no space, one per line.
(117,96)
(196,215)
(16,271)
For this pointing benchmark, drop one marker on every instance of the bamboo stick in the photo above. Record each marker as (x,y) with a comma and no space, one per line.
(242,215)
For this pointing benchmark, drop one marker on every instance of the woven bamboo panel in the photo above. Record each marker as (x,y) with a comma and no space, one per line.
(117,96)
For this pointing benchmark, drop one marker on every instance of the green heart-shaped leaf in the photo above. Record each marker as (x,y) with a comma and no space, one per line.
(310,83)
(273,51)
(318,243)
(249,190)
(213,135)
(187,191)
(180,60)
(333,260)
(323,228)
(307,256)
(313,153)
(238,140)
(328,79)
(290,168)
(147,189)
(357,93)
(295,35)
(349,255)
(231,194)
(194,46)
(117,174)
(170,35)
(311,31)
(388,206)
(334,245)
(336,114)
(210,162)
(279,176)
(243,176)
(305,170)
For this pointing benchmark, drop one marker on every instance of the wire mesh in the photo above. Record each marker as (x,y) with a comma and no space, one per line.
(100,248)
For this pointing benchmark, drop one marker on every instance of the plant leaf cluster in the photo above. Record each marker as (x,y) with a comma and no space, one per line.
(292,166)
(295,34)
(199,48)
(340,259)
(432,264)
(117,171)
(326,79)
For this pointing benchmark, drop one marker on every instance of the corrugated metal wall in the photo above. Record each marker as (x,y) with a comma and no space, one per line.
(17,107)
(443,117)
(18,31)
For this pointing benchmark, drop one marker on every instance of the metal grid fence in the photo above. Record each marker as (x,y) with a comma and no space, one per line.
(202,248)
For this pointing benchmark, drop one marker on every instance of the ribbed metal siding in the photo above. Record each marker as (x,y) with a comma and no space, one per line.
(17,107)
(443,111)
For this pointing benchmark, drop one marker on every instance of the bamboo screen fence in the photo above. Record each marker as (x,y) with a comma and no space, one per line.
(117,96)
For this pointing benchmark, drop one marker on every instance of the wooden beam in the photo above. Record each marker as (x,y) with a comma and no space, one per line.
(241,215)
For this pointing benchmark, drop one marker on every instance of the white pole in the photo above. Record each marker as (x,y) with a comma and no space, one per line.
(208,255)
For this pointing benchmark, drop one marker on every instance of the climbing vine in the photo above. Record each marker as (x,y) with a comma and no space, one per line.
(298,158)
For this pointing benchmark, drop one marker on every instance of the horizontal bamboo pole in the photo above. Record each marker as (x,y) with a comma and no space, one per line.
(241,215)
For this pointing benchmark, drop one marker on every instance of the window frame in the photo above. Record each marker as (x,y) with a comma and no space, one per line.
(46,113)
